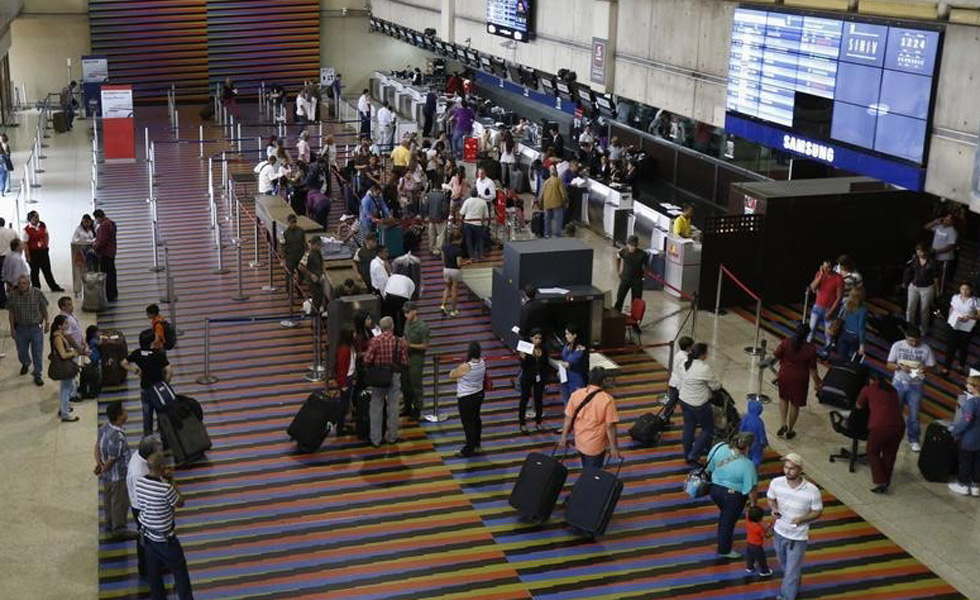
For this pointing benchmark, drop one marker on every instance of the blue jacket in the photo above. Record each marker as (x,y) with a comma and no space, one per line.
(967,428)
(752,422)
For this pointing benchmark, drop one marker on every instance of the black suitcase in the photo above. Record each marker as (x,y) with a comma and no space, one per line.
(592,501)
(842,384)
(648,428)
(938,457)
(60,121)
(184,434)
(90,381)
(537,487)
(362,416)
(113,349)
(311,425)
(537,223)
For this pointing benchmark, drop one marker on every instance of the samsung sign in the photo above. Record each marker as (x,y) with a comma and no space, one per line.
(809,148)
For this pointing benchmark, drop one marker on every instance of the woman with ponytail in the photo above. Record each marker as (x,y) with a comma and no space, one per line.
(797,365)
(698,383)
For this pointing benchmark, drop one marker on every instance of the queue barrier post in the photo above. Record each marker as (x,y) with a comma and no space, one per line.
(169,295)
(238,136)
(434,416)
(146,143)
(316,370)
(240,296)
(755,349)
(200,141)
(155,239)
(256,262)
(221,270)
(207,378)
(176,123)
(758,395)
(271,287)
(290,322)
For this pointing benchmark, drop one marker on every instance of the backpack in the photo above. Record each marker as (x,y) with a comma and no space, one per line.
(169,335)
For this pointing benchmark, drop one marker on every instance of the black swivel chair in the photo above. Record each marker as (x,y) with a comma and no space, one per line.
(854,426)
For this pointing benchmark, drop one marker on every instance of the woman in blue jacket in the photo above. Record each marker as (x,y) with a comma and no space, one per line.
(575,360)
(854,315)
(966,430)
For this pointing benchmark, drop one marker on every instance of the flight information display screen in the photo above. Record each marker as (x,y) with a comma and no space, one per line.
(866,85)
(510,19)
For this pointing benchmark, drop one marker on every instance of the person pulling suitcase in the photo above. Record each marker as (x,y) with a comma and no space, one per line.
(595,425)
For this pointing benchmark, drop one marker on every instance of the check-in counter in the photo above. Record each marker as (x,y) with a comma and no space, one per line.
(683,265)
(273,213)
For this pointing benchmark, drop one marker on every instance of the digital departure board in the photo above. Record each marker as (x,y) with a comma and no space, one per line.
(511,19)
(825,81)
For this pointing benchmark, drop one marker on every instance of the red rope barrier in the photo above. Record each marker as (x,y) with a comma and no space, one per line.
(739,283)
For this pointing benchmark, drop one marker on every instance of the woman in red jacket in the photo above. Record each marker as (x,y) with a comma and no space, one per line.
(886,426)
(343,372)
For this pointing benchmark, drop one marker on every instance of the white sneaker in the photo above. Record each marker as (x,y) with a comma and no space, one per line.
(915,447)
(974,490)
(958,488)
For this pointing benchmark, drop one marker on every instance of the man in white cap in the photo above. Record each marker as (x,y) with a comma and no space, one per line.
(795,503)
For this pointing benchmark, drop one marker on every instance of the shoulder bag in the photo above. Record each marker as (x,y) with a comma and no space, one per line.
(698,481)
(61,369)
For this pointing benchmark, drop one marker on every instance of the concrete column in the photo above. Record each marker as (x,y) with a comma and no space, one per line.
(447,21)
(605,15)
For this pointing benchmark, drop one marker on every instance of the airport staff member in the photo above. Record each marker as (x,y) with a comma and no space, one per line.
(682,224)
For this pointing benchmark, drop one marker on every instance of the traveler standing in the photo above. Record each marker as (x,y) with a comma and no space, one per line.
(885,429)
(417,336)
(733,481)
(436,211)
(311,270)
(632,261)
(398,290)
(14,264)
(6,171)
(795,503)
(68,103)
(229,97)
(268,174)
(38,254)
(829,289)
(64,367)
(462,118)
(385,359)
(386,126)
(508,160)
(535,373)
(944,239)
(797,366)
(7,235)
(380,272)
(575,362)
(27,309)
(554,197)
(697,385)
(105,249)
(429,113)
(684,345)
(452,274)
(303,147)
(152,367)
(470,378)
(910,359)
(591,417)
(158,498)
(362,260)
(966,430)
(345,372)
(854,324)
(921,279)
(364,110)
(111,464)
(293,245)
(963,309)
(474,216)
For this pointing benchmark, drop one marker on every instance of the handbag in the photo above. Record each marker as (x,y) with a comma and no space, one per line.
(698,481)
(61,369)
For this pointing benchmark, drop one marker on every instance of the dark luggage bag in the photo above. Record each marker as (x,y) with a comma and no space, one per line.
(94,297)
(112,347)
(183,433)
(649,427)
(311,425)
(60,121)
(90,381)
(536,491)
(842,384)
(362,417)
(537,223)
(938,457)
(592,501)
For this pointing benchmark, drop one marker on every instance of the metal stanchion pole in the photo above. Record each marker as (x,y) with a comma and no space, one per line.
(146,143)
(238,137)
(289,322)
(26,186)
(221,270)
(258,143)
(238,217)
(176,124)
(169,296)
(754,349)
(200,141)
(718,310)
(694,315)
(37,154)
(272,281)
(156,268)
(207,378)
(434,416)
(153,159)
(758,395)
(256,262)
(32,172)
(316,371)
(240,296)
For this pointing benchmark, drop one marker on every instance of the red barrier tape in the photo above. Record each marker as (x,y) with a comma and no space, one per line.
(660,279)
(739,283)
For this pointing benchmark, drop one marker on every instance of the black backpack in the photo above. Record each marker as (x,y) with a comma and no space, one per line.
(169,335)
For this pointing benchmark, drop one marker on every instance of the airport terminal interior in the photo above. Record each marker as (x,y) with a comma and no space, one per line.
(489,299)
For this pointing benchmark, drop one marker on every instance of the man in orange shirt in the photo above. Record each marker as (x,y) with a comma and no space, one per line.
(156,324)
(595,423)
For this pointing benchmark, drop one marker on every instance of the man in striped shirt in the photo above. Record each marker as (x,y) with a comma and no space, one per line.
(157,498)
(795,503)
(111,462)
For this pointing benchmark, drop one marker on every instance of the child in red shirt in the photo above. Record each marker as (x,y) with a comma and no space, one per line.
(756,532)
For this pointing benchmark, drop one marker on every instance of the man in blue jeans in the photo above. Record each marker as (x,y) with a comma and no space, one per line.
(591,417)
(795,503)
(910,358)
(28,313)
(153,367)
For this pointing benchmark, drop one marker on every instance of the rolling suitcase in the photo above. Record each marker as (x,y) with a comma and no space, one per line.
(362,417)
(537,223)
(112,347)
(93,292)
(311,425)
(592,501)
(90,381)
(184,434)
(60,121)
(842,384)
(938,457)
(649,427)
(536,491)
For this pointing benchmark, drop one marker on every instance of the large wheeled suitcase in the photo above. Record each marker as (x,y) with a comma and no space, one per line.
(311,425)
(649,427)
(113,349)
(592,501)
(362,416)
(393,238)
(90,381)
(184,433)
(60,121)
(938,457)
(536,491)
(537,223)
(842,384)
(93,292)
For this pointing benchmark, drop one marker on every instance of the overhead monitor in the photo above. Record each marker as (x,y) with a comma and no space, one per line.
(564,89)
(499,66)
(515,73)
(857,94)
(605,104)
(530,78)
(485,63)
(547,84)
(513,19)
(473,58)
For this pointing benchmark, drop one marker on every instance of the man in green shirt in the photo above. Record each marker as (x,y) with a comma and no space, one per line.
(417,336)
(311,268)
(632,261)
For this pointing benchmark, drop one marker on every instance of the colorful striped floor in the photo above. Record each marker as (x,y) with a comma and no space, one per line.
(412,521)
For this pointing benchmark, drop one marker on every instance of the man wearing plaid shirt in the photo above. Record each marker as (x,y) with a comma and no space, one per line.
(386,350)
(111,464)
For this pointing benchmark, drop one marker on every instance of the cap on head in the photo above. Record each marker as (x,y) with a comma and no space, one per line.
(409,307)
(794,458)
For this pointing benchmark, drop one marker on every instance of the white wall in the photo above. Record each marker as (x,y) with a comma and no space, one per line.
(40,62)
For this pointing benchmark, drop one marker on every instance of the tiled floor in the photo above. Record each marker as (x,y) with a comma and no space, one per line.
(49,496)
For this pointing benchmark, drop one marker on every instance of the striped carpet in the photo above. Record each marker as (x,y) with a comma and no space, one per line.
(411,521)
